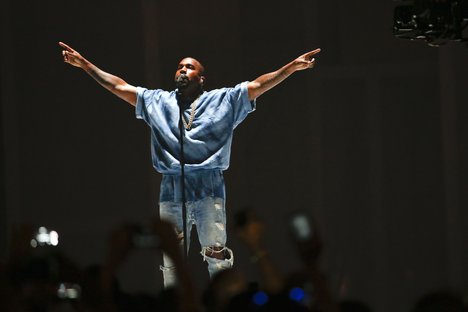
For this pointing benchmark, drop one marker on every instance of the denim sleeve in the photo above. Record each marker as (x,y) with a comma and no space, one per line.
(147,100)
(241,105)
(141,107)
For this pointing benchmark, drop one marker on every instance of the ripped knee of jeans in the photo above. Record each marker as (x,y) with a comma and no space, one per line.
(165,269)
(220,253)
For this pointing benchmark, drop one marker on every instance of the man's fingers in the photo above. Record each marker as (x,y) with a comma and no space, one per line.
(314,51)
(63,45)
(65,55)
(309,55)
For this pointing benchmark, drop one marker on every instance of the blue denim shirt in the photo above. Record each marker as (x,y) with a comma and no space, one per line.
(207,145)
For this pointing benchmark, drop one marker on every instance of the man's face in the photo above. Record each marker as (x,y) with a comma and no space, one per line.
(189,73)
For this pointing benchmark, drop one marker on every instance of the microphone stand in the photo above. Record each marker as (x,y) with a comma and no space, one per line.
(182,177)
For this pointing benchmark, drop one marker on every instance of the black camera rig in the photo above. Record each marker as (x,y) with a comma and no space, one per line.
(435,22)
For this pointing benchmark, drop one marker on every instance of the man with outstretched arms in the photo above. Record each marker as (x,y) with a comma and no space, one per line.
(208,120)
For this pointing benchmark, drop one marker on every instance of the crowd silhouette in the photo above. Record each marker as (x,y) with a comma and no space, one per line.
(43,279)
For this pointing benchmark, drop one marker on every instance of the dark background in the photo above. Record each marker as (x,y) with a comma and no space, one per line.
(372,141)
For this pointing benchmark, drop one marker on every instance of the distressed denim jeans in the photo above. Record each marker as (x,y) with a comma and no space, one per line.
(209,217)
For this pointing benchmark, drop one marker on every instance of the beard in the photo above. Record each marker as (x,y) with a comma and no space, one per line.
(182,81)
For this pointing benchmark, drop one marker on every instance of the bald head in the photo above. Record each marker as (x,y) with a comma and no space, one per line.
(196,63)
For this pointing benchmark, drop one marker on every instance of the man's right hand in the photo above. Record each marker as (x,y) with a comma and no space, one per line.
(71,56)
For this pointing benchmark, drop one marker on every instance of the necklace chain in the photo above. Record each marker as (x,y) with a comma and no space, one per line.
(192,115)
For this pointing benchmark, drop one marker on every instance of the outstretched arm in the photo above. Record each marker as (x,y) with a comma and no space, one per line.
(114,84)
(265,82)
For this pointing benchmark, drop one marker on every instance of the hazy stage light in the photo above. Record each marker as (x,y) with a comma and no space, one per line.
(297,294)
(45,237)
(68,291)
(260,298)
